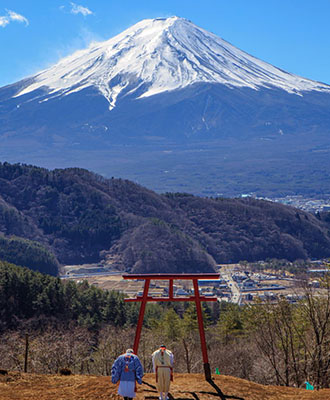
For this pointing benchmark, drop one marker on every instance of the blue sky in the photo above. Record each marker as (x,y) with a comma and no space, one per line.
(291,34)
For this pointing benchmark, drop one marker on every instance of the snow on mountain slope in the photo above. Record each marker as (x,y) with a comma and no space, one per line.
(158,55)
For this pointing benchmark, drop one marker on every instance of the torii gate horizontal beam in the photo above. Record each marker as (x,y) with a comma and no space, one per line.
(190,298)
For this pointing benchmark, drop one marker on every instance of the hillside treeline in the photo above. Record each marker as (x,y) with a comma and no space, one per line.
(29,253)
(31,296)
(79,217)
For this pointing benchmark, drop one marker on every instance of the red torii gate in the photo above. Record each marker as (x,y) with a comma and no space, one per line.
(197,298)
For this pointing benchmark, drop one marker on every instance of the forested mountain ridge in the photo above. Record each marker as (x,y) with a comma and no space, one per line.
(79,217)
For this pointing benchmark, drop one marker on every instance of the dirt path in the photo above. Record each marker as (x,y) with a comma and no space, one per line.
(19,386)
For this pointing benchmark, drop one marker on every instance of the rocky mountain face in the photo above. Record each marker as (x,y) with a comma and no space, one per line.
(174,107)
(80,217)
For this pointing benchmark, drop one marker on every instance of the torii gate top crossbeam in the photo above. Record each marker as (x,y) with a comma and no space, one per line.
(172,276)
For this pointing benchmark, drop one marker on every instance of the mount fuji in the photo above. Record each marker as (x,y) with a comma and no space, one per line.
(176,108)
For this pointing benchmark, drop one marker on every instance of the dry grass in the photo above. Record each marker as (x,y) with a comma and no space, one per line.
(19,386)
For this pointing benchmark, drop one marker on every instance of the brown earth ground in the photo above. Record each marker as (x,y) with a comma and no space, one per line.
(20,386)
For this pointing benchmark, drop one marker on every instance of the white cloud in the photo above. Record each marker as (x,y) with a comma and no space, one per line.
(4,21)
(77,9)
(17,17)
(12,16)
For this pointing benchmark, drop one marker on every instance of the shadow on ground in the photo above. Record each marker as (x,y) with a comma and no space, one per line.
(216,393)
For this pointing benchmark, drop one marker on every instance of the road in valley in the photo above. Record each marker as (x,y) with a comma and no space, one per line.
(227,274)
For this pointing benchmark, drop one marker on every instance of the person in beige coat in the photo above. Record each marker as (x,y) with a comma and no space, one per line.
(162,361)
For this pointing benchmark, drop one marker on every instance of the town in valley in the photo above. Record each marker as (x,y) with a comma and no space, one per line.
(241,283)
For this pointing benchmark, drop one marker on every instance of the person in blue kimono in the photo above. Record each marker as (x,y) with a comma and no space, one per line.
(127,369)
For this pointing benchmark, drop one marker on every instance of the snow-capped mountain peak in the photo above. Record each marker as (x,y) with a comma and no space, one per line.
(158,55)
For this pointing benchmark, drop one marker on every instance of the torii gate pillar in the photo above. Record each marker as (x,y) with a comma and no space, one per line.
(196,298)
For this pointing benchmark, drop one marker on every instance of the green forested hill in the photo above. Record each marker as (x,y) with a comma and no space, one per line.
(79,217)
(28,253)
(29,295)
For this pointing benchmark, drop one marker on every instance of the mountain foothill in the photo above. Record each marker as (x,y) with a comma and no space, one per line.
(73,216)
